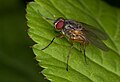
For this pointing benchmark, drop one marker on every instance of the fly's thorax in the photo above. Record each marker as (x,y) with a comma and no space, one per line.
(66,29)
(71,25)
(72,29)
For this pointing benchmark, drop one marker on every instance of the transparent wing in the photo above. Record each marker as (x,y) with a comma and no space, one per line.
(96,42)
(95,32)
(95,36)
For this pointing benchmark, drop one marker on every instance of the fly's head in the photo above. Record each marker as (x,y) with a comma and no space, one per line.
(59,24)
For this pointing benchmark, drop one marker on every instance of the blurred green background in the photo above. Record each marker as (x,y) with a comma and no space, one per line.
(17,61)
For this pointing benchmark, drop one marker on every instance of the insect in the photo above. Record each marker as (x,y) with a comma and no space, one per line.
(79,32)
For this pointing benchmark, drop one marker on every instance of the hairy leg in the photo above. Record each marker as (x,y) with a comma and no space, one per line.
(68,56)
(59,36)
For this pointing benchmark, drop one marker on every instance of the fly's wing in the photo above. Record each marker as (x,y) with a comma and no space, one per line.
(96,41)
(95,32)
(95,36)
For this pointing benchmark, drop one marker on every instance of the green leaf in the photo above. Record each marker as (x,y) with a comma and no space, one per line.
(102,66)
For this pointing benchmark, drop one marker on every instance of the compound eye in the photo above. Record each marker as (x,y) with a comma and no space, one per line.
(59,24)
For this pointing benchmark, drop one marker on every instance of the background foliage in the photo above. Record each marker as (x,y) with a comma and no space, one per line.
(17,61)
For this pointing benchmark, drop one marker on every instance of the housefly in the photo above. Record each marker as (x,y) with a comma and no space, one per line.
(79,32)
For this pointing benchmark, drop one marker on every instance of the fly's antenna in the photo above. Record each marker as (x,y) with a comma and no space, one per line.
(47,17)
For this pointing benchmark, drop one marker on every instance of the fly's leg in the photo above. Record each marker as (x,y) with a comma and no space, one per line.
(68,56)
(80,48)
(83,47)
(59,36)
(49,44)
(85,56)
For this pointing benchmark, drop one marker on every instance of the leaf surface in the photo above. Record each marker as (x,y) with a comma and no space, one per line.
(102,66)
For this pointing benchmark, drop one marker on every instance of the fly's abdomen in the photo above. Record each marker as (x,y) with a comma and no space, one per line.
(75,35)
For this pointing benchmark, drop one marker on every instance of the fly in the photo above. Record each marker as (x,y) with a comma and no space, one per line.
(79,32)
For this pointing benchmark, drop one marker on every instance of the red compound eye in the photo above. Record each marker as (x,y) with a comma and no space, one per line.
(59,24)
